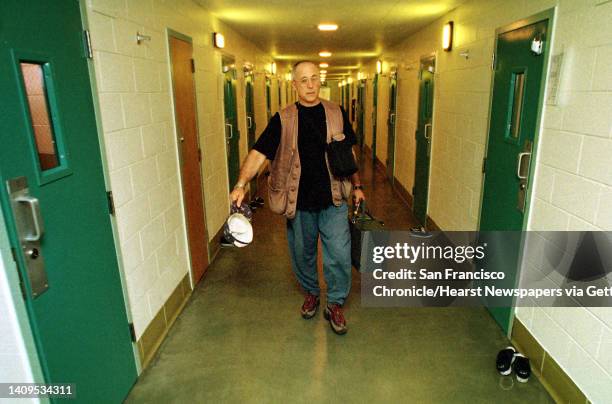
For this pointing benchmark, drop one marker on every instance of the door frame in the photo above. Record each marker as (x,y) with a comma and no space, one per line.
(549,15)
(93,83)
(170,33)
(374,123)
(541,16)
(424,59)
(390,165)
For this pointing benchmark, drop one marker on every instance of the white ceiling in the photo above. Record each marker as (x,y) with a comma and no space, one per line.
(287,29)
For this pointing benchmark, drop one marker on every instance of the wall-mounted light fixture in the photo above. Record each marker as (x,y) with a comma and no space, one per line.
(218,40)
(447,36)
(350,80)
(378,66)
(273,67)
(288,76)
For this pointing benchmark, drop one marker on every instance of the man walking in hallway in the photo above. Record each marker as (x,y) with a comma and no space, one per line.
(302,188)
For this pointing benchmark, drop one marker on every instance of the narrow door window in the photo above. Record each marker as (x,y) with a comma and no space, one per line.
(40,116)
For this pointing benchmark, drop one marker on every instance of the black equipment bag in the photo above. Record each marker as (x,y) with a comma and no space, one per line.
(361,220)
(340,157)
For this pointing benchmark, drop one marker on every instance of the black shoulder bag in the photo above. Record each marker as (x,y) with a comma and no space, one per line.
(340,157)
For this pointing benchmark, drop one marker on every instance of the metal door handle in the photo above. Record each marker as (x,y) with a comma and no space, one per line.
(249,122)
(427,134)
(36,217)
(519,165)
(392,118)
(231,130)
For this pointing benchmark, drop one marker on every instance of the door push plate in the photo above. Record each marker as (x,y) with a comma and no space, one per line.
(30,230)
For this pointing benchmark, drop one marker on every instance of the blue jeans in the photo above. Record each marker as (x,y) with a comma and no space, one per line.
(303,232)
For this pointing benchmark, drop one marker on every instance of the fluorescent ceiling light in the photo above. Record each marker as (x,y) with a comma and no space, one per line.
(327,27)
(323,71)
(323,64)
(325,54)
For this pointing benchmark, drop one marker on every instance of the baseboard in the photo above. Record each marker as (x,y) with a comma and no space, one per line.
(380,166)
(157,330)
(431,225)
(214,245)
(554,379)
(402,192)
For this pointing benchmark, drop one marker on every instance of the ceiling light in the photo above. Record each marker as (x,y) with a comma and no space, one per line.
(350,80)
(325,54)
(323,64)
(218,40)
(323,71)
(327,27)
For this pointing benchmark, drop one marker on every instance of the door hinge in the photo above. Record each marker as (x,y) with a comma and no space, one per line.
(192,65)
(484,164)
(111,202)
(132,332)
(199,154)
(493,62)
(87,44)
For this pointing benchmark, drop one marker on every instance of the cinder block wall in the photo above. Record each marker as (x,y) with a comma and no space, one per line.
(139,136)
(573,180)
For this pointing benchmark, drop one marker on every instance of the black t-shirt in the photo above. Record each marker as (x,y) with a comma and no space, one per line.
(314,192)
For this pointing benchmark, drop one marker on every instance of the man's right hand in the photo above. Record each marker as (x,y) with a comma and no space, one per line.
(237,195)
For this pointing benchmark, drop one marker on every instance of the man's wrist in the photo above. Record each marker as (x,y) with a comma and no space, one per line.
(239,185)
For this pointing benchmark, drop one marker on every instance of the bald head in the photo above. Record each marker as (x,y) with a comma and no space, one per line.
(298,65)
(306,82)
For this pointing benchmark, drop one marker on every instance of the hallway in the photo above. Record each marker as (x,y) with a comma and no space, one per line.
(240,338)
(126,124)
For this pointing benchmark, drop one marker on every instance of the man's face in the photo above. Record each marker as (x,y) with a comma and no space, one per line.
(307,83)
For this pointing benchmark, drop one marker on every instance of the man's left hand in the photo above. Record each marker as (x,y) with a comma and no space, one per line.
(358,196)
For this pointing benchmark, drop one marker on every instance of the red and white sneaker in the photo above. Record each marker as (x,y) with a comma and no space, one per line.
(310,306)
(333,314)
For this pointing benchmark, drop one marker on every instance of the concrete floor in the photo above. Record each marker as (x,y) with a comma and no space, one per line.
(241,338)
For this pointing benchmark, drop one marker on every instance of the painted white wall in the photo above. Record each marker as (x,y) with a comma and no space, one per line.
(18,357)
(573,178)
(139,134)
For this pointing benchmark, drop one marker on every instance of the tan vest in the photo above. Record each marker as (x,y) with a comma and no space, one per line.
(284,179)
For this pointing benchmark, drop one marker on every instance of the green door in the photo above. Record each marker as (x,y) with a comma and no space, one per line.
(423,135)
(391,127)
(347,97)
(54,201)
(360,112)
(232,134)
(517,88)
(374,115)
(250,116)
(268,98)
